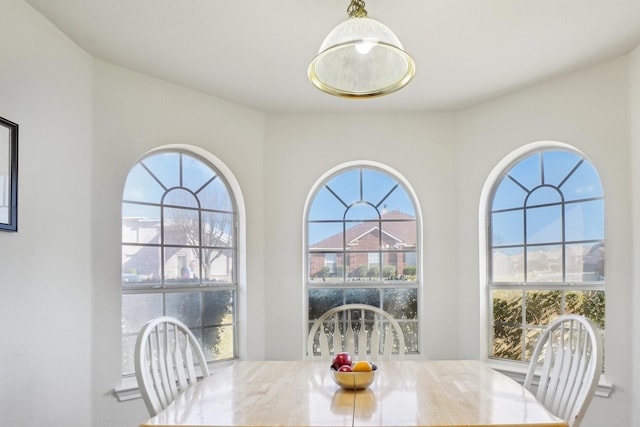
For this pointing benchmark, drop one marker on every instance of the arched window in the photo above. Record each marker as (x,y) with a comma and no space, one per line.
(363,247)
(545,248)
(179,251)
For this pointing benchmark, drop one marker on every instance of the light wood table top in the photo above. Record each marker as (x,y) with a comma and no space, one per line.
(421,393)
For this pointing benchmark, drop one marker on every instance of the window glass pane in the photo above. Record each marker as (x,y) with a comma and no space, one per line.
(376,186)
(141,264)
(531,338)
(410,261)
(195,173)
(399,202)
(585,262)
(148,217)
(361,212)
(185,306)
(590,304)
(527,172)
(325,235)
(346,186)
(374,259)
(140,230)
(138,309)
(558,165)
(544,263)
(326,206)
(363,236)
(583,183)
(181,227)
(142,187)
(219,342)
(180,197)
(128,351)
(165,167)
(401,303)
(507,306)
(507,342)
(218,229)
(507,265)
(322,300)
(218,308)
(216,196)
(176,265)
(543,196)
(507,320)
(327,267)
(544,225)
(410,332)
(507,228)
(585,220)
(218,266)
(390,265)
(398,234)
(362,296)
(509,195)
(542,307)
(359,267)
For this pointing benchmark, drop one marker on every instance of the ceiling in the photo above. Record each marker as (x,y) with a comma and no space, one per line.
(256,53)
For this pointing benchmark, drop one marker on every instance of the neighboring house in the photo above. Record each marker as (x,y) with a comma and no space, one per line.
(583,263)
(142,262)
(388,243)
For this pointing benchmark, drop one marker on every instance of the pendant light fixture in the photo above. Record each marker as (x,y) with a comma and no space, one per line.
(361,58)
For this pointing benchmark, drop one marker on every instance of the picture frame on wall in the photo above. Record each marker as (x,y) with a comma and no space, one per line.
(8,175)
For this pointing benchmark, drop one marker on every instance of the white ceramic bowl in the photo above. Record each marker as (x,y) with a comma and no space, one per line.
(353,380)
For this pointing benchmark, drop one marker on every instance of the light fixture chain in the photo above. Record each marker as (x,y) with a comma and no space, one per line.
(356,9)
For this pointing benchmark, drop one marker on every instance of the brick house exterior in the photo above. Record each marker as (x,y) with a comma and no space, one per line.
(368,248)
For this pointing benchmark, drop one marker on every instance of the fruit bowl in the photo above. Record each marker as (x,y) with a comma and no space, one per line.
(353,380)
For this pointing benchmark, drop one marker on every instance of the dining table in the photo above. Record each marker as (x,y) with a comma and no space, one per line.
(423,393)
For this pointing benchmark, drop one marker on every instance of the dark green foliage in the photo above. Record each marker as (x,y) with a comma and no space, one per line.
(540,308)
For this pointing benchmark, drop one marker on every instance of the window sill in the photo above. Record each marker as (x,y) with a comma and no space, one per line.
(518,371)
(127,390)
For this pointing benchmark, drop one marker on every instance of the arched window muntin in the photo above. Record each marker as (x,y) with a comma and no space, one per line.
(189,270)
(522,303)
(352,204)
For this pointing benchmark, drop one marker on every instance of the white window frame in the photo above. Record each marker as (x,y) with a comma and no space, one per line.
(514,369)
(419,245)
(128,388)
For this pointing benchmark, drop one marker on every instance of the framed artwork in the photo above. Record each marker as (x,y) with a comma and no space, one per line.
(8,175)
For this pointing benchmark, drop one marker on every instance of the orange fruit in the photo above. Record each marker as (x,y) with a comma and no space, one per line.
(362,366)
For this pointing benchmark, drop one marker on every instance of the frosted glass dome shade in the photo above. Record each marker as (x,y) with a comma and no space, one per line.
(361,58)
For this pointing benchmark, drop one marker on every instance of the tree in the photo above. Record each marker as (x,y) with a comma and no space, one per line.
(209,233)
(542,307)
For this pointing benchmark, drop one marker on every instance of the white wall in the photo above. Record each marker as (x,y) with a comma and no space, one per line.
(45,282)
(134,114)
(305,146)
(588,110)
(634,120)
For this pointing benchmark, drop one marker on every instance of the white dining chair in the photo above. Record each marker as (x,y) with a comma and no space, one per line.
(566,360)
(359,329)
(166,358)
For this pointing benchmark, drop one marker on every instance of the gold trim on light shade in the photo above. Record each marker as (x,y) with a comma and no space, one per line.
(361,58)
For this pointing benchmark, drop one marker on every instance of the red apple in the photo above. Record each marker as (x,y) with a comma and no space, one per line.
(345,368)
(341,359)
